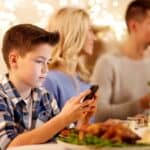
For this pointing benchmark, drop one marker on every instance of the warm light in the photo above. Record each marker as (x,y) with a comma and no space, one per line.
(44,9)
(101,12)
(63,2)
(115,3)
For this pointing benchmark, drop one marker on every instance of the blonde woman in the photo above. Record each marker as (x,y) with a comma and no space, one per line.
(68,75)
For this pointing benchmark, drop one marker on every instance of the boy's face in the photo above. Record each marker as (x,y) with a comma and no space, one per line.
(142,30)
(31,69)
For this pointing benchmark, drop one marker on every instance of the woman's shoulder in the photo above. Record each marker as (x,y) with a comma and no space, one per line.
(55,74)
(58,76)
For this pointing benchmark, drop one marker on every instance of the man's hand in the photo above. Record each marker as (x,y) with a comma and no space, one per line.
(145,101)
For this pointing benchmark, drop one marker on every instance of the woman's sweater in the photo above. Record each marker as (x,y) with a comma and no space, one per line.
(64,86)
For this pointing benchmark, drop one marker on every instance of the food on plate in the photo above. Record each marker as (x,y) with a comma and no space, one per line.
(115,132)
(101,134)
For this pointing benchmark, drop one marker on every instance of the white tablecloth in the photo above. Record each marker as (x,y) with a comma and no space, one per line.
(38,147)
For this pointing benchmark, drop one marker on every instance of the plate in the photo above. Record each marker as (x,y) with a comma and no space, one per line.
(82,147)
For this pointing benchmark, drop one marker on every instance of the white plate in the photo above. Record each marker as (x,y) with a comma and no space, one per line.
(79,147)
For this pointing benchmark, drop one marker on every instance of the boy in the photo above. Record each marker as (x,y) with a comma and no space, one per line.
(27,112)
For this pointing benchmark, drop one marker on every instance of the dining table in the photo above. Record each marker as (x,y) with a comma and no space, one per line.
(65,146)
(48,146)
(60,145)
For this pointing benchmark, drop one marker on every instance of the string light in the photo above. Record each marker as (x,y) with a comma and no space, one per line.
(63,2)
(101,12)
(44,9)
(115,3)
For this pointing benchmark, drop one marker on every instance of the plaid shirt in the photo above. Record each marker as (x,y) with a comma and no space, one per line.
(14,115)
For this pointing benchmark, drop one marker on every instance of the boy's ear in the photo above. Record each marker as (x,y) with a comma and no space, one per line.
(13,57)
(133,24)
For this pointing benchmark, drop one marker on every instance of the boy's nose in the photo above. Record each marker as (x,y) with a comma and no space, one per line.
(45,68)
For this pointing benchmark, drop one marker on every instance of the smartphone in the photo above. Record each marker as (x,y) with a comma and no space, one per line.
(93,89)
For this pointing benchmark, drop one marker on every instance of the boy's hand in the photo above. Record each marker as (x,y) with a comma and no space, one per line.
(74,109)
(92,107)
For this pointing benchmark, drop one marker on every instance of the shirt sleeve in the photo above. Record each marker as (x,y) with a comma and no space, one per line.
(104,76)
(8,129)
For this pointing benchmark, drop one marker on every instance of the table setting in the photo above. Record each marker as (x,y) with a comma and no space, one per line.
(130,134)
(113,134)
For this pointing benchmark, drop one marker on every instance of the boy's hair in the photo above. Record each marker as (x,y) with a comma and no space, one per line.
(137,10)
(23,37)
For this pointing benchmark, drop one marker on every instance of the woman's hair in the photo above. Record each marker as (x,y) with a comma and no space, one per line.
(99,48)
(72,24)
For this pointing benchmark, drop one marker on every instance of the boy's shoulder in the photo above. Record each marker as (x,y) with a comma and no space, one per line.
(5,85)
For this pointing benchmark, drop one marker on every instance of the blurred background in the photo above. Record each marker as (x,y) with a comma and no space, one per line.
(102,12)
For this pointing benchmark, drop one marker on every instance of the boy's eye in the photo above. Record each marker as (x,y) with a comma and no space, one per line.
(42,61)
(39,61)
